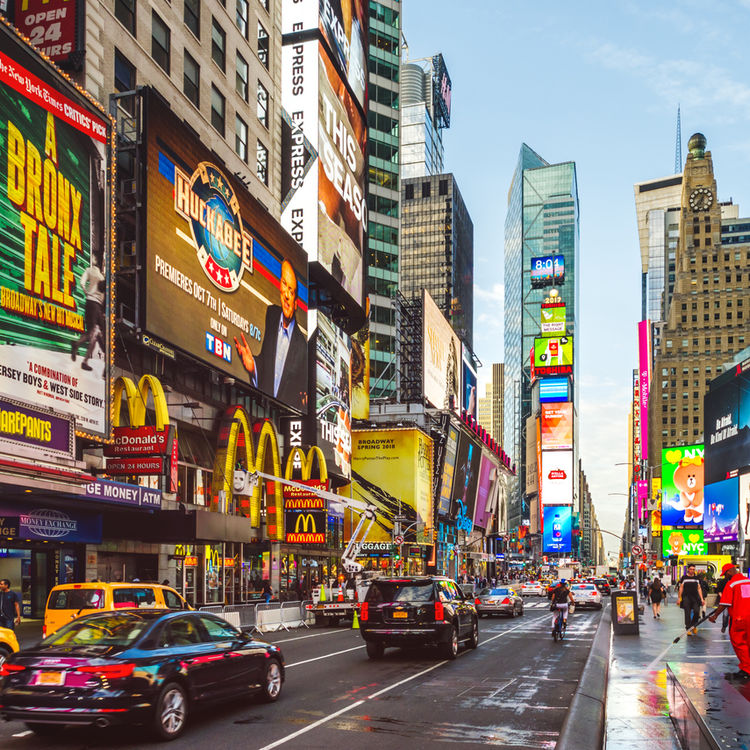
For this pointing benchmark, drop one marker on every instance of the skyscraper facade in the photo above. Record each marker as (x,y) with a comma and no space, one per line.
(490,406)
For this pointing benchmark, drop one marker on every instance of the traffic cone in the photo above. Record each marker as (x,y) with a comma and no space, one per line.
(341,594)
(355,620)
(322,597)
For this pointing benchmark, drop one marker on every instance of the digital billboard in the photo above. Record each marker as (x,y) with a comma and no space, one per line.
(557,532)
(721,523)
(682,501)
(305,514)
(553,319)
(392,469)
(449,468)
(441,90)
(547,270)
(487,486)
(553,355)
(557,478)
(55,254)
(333,415)
(224,282)
(683,542)
(324,205)
(465,479)
(360,367)
(552,390)
(440,358)
(532,484)
(644,374)
(468,383)
(557,426)
(744,510)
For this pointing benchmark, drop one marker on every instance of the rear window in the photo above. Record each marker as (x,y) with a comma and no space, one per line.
(495,592)
(127,598)
(585,587)
(77,599)
(115,630)
(400,591)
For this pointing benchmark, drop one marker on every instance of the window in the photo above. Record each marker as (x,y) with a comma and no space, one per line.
(172,600)
(409,189)
(265,4)
(240,137)
(263,104)
(218,106)
(192,16)
(160,37)
(219,631)
(443,187)
(124,73)
(240,77)
(182,631)
(125,14)
(125,598)
(426,189)
(242,15)
(263,45)
(218,45)
(261,168)
(191,76)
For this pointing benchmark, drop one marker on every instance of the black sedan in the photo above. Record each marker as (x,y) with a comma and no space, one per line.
(499,601)
(150,667)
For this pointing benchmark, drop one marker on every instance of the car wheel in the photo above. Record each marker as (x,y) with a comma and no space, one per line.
(450,649)
(473,641)
(4,654)
(43,730)
(375,650)
(271,688)
(171,712)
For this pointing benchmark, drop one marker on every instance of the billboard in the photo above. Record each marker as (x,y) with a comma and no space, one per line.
(553,355)
(487,488)
(557,531)
(466,476)
(552,390)
(682,486)
(224,283)
(532,483)
(721,523)
(557,426)
(360,367)
(441,90)
(55,254)
(440,357)
(305,514)
(683,542)
(547,270)
(468,383)
(644,374)
(392,469)
(333,415)
(449,468)
(52,26)
(324,205)
(557,478)
(553,319)
(744,509)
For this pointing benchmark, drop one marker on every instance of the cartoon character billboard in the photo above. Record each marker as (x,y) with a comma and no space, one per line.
(682,486)
(683,542)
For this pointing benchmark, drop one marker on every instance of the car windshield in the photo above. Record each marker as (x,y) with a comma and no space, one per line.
(400,591)
(113,630)
(495,592)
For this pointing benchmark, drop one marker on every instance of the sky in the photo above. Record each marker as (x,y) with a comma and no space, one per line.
(597,83)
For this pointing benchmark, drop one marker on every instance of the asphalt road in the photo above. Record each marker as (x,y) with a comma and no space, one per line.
(511,692)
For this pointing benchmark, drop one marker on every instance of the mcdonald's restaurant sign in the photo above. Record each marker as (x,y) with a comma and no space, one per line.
(305,514)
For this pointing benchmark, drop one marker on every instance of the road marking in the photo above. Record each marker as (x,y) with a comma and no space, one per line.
(325,656)
(386,689)
(314,635)
(23,734)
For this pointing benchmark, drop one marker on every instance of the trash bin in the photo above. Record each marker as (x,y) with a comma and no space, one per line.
(625,612)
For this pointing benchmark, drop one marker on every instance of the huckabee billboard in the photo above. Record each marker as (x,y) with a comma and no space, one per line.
(55,254)
(224,282)
(441,356)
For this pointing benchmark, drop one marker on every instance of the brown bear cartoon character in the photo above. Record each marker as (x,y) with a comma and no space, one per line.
(688,479)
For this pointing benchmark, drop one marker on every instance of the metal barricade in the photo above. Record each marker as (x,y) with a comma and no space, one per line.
(308,614)
(244,614)
(292,616)
(268,617)
(214,609)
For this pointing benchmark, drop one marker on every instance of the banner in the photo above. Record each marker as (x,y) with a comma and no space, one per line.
(682,486)
(449,467)
(440,358)
(644,369)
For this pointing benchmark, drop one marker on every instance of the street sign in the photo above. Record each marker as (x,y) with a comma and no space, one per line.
(637,549)
(398,539)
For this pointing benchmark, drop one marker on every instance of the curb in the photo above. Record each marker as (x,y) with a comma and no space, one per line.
(584,722)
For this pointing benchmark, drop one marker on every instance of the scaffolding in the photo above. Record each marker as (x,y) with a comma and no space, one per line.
(409,349)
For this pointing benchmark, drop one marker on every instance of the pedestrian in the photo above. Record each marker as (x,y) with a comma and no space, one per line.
(690,598)
(10,606)
(704,590)
(726,618)
(736,598)
(267,591)
(165,582)
(656,593)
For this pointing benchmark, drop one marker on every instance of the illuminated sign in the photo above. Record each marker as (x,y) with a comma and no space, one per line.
(553,390)
(52,26)
(721,522)
(557,531)
(441,90)
(553,355)
(449,467)
(682,501)
(557,426)
(644,375)
(683,542)
(305,516)
(547,270)
(37,429)
(557,478)
(441,353)
(553,319)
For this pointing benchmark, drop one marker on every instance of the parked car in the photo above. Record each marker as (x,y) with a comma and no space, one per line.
(135,666)
(603,585)
(417,610)
(8,644)
(498,601)
(586,595)
(532,588)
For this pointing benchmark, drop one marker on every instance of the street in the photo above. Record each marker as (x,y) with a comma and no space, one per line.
(513,691)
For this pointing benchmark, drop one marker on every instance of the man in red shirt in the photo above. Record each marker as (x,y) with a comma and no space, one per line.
(736,597)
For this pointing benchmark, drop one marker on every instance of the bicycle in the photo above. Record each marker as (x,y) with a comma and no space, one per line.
(560,626)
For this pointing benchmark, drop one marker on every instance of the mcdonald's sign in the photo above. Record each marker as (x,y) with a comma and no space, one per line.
(305,513)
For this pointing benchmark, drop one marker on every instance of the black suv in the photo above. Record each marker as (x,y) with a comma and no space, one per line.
(417,610)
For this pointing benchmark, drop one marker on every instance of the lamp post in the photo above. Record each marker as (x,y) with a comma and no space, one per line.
(635,525)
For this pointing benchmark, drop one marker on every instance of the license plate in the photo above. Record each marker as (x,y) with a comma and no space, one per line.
(399,615)
(492,601)
(50,678)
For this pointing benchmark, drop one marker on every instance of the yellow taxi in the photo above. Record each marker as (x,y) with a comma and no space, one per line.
(71,600)
(8,644)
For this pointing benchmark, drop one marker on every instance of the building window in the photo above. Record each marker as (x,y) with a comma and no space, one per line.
(443,187)
(263,104)
(263,45)
(261,168)
(218,45)
(242,16)
(124,73)
(192,16)
(160,34)
(426,189)
(191,76)
(125,14)
(265,4)
(409,192)
(218,107)
(240,77)
(240,137)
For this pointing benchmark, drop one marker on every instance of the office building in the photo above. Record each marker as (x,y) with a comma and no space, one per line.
(490,406)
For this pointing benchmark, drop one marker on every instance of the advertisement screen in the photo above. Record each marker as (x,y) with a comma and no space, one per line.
(441,90)
(440,358)
(552,390)
(557,478)
(449,468)
(547,270)
(553,320)
(532,484)
(55,254)
(360,368)
(392,469)
(553,355)
(469,385)
(744,490)
(224,283)
(682,486)
(557,532)
(324,205)
(683,542)
(486,492)
(644,373)
(721,523)
(333,414)
(305,514)
(465,479)
(557,426)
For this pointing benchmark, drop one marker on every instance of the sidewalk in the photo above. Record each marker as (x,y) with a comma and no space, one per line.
(29,632)
(637,707)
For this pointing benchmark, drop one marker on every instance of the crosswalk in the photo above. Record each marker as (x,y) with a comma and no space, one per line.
(541,604)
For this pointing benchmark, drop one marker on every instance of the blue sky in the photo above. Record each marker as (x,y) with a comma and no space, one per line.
(597,83)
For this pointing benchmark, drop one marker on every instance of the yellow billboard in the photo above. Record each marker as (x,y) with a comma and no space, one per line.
(392,469)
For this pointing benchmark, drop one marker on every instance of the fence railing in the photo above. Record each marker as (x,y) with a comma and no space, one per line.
(264,617)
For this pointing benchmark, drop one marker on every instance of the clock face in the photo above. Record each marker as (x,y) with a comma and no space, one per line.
(701,199)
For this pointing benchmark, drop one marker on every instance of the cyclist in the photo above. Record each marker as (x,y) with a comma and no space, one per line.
(560,596)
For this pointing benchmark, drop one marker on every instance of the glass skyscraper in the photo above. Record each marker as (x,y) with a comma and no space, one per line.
(542,220)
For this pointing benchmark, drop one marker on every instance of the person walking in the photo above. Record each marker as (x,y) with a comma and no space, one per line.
(725,616)
(704,590)
(736,598)
(10,606)
(690,598)
(267,591)
(656,593)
